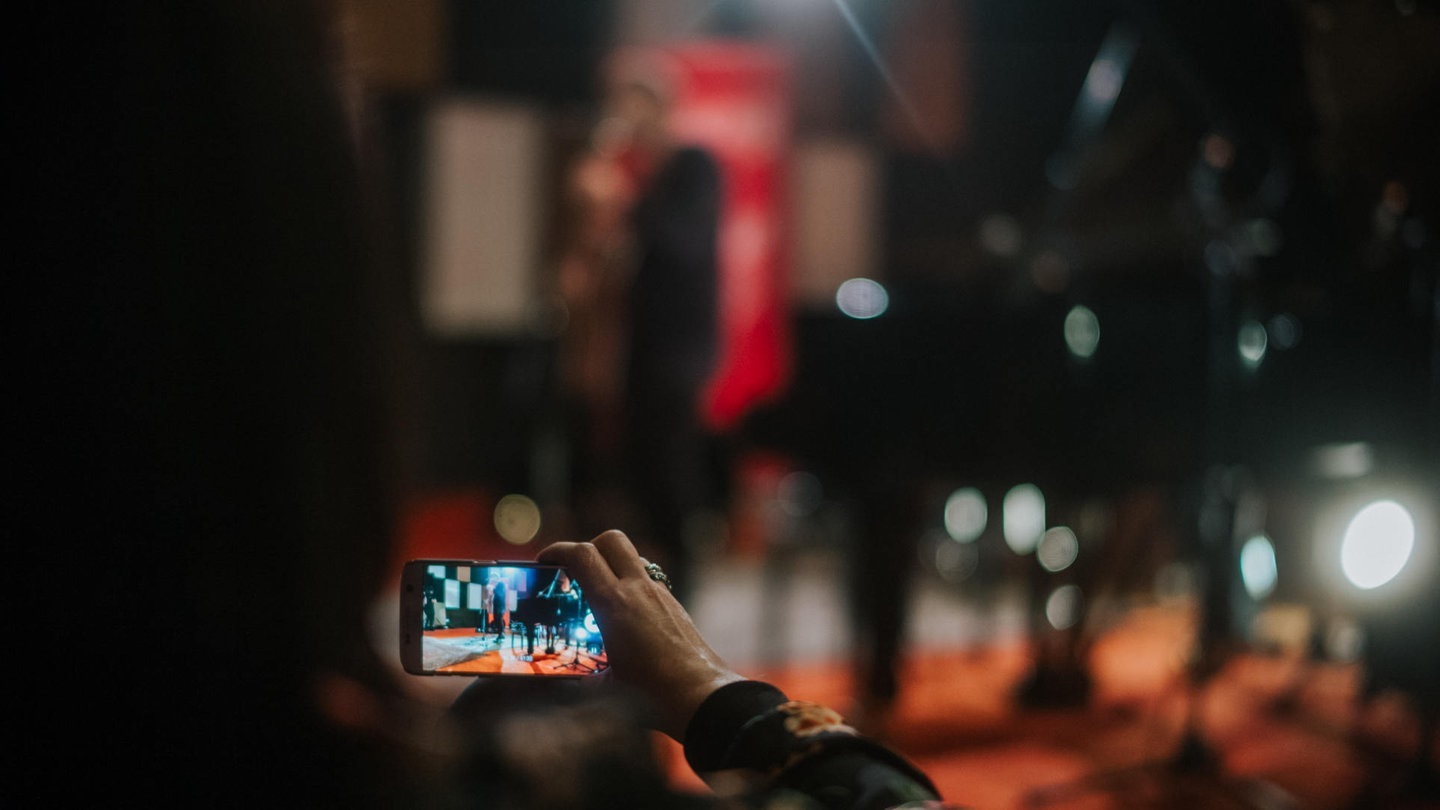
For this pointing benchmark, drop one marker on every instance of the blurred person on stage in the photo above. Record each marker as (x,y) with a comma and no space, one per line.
(639,282)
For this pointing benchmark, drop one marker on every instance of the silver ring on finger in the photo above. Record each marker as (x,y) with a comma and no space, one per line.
(658,574)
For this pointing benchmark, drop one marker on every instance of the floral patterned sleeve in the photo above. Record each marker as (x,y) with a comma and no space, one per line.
(749,740)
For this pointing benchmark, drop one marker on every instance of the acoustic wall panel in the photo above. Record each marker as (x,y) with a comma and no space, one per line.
(483,180)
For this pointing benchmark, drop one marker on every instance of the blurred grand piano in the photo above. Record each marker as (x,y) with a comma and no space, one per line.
(538,614)
(545,616)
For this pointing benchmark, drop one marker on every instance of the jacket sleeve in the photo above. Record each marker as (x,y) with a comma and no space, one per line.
(749,738)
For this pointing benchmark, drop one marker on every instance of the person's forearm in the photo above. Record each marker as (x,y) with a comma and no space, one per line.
(750,736)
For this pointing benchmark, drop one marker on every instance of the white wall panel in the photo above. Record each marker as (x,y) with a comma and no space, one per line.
(483,179)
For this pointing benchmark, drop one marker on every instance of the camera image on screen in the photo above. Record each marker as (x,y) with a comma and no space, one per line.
(501,619)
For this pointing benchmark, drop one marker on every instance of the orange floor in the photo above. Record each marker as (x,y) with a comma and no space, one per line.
(512,655)
(1276,732)
(1279,733)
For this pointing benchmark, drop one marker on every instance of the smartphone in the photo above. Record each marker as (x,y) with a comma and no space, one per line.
(496,618)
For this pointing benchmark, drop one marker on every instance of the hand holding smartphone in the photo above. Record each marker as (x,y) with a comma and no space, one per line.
(496,618)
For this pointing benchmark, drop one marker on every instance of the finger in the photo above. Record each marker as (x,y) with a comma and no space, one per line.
(583,560)
(620,553)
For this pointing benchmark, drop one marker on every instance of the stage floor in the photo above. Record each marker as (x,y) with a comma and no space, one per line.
(464,651)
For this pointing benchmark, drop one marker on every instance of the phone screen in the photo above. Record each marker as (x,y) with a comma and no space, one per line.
(469,617)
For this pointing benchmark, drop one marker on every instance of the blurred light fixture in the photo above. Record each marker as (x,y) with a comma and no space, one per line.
(517,519)
(1258,570)
(1023,518)
(966,515)
(1058,549)
(1252,343)
(1082,332)
(862,298)
(1062,607)
(1377,544)
(1103,82)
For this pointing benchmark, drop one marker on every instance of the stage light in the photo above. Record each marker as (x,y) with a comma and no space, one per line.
(966,515)
(1377,544)
(1062,608)
(1257,566)
(517,519)
(1252,343)
(1023,518)
(862,298)
(1058,549)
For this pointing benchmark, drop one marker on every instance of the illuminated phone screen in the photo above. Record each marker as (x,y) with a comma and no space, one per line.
(461,617)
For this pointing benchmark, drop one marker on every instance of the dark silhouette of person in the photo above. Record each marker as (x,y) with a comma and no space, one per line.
(499,608)
(642,280)
(569,604)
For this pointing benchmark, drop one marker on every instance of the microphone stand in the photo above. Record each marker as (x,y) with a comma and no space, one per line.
(570,622)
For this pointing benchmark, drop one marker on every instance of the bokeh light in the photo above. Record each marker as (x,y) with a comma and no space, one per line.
(1023,518)
(1104,81)
(517,519)
(1252,343)
(1082,332)
(1284,331)
(1377,544)
(862,298)
(966,515)
(1258,570)
(1218,151)
(1058,549)
(1001,235)
(955,562)
(1062,608)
